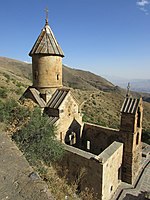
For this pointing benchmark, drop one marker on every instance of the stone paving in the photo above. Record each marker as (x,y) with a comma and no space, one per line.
(141,188)
(18,181)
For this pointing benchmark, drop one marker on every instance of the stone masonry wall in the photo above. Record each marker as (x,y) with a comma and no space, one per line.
(112,170)
(70,120)
(100,137)
(80,166)
(47,72)
(99,173)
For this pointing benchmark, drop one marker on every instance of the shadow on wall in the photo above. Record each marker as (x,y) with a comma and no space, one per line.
(141,196)
(73,134)
(113,138)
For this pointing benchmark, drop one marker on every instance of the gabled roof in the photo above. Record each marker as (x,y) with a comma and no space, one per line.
(57,98)
(52,120)
(37,97)
(46,43)
(34,94)
(130,105)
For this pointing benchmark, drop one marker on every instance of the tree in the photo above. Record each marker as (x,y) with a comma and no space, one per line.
(37,139)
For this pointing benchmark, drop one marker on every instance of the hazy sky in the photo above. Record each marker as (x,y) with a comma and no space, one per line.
(106,37)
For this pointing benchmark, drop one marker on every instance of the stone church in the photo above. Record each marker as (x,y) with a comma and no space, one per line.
(108,156)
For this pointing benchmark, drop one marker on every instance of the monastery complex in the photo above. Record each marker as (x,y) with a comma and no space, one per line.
(109,156)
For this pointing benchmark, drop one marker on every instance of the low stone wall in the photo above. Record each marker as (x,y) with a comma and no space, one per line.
(83,169)
(98,173)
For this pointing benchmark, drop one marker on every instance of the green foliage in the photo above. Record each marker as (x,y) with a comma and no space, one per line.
(19,91)
(7,76)
(34,135)
(85,118)
(19,84)
(11,111)
(38,139)
(3,92)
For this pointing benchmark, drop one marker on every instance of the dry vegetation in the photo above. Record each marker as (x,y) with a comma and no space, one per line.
(59,186)
(100,100)
(100,103)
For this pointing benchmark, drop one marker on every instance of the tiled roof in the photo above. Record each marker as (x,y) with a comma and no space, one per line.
(37,97)
(130,105)
(52,120)
(46,43)
(34,94)
(57,98)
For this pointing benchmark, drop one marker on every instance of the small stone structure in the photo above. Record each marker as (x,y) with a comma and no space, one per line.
(18,180)
(108,156)
(101,172)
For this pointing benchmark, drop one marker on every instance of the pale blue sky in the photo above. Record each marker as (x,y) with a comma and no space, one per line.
(105,37)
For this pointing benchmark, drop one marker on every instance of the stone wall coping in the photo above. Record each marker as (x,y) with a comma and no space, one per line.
(101,158)
(79,152)
(103,127)
(108,152)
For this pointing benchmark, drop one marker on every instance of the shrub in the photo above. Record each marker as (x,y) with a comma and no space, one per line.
(11,110)
(19,91)
(37,139)
(7,76)
(3,92)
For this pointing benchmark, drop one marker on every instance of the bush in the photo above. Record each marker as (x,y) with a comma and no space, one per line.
(19,91)
(3,92)
(11,110)
(37,139)
(7,76)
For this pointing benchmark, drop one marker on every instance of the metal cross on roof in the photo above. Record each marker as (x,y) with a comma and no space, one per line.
(128,90)
(46,11)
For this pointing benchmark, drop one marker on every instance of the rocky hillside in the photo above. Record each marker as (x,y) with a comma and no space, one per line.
(100,100)
(71,77)
(84,80)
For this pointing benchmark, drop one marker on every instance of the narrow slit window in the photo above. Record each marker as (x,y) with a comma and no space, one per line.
(36,75)
(111,188)
(139,118)
(88,145)
(57,77)
(137,139)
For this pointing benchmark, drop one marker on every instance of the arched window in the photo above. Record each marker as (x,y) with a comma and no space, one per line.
(36,75)
(88,145)
(57,77)
(72,138)
(137,138)
(138,118)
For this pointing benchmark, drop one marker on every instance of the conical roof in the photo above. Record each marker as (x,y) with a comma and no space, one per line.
(46,43)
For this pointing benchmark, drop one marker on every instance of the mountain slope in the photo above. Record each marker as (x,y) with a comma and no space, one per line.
(15,67)
(71,77)
(101,100)
(138,85)
(84,80)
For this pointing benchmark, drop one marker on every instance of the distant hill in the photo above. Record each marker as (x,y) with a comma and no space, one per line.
(84,80)
(71,77)
(15,67)
(100,100)
(138,85)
